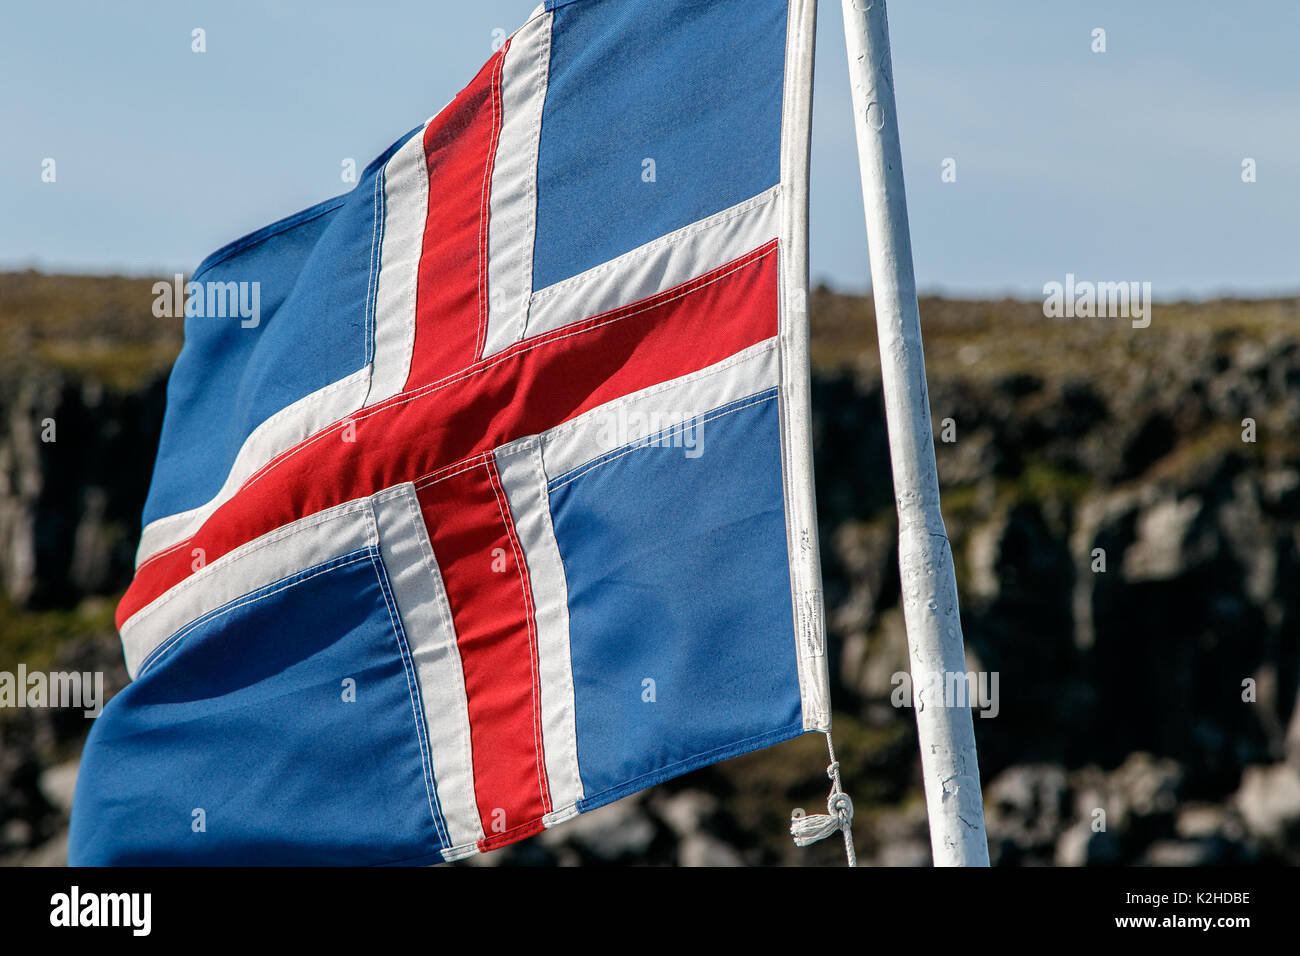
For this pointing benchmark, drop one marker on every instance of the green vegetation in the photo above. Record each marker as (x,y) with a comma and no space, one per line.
(36,638)
(86,326)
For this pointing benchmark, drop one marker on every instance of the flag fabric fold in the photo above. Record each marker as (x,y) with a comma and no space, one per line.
(498,506)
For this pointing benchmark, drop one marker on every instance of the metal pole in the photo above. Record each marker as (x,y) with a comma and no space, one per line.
(929,585)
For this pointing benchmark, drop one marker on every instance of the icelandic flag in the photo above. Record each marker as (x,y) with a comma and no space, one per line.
(498,507)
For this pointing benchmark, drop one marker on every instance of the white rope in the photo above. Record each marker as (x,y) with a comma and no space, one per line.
(807,829)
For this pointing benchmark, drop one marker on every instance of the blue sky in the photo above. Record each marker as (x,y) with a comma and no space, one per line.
(1123,165)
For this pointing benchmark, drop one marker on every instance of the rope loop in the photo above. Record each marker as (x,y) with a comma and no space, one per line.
(808,829)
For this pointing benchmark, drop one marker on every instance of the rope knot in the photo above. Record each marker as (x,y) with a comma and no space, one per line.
(841,807)
(808,829)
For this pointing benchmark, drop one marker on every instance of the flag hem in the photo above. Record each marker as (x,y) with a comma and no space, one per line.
(796,415)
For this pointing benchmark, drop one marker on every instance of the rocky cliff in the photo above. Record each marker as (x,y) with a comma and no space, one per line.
(1123,509)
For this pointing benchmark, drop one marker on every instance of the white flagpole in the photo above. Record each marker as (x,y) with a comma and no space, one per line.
(929,585)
